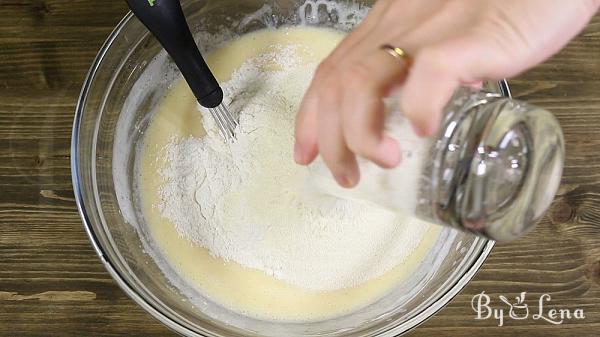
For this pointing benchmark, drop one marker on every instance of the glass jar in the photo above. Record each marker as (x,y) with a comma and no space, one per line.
(492,170)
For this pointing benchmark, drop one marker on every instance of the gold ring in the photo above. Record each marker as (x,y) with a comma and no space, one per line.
(397,52)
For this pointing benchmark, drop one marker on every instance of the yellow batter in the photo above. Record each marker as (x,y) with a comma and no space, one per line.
(244,290)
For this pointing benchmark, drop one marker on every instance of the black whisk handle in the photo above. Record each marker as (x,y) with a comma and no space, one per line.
(165,20)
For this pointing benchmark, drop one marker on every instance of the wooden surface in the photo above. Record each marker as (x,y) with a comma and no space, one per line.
(52,283)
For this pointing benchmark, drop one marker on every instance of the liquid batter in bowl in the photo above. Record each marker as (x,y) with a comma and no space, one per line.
(233,220)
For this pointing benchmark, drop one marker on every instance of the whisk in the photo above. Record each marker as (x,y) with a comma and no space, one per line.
(165,20)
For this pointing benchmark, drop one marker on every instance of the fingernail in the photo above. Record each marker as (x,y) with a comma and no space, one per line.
(418,130)
(348,180)
(390,150)
(395,91)
(352,176)
(341,179)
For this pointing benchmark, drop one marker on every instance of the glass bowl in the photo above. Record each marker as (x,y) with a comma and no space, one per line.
(126,81)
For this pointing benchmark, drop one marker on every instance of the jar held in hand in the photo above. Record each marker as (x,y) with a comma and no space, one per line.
(493,169)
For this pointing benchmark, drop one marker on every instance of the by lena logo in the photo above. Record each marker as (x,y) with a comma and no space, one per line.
(519,310)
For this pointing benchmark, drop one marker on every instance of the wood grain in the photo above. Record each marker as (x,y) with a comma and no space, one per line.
(52,283)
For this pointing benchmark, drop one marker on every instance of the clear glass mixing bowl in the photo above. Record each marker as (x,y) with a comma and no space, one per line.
(109,125)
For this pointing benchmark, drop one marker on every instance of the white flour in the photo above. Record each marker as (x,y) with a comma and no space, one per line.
(243,201)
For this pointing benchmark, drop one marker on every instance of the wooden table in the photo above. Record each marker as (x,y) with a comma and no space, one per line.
(52,283)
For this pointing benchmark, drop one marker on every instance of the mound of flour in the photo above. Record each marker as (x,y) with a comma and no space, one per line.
(244,201)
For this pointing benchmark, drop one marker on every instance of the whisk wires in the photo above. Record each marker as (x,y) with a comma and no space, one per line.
(226,122)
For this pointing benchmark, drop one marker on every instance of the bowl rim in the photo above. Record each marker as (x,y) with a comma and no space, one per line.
(408,325)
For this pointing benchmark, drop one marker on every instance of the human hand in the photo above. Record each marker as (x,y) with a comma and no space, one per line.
(452,42)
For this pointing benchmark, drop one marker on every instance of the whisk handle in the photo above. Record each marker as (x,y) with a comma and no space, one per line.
(165,20)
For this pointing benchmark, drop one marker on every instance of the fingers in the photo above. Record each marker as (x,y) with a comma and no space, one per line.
(350,115)
(350,120)
(305,145)
(352,47)
(331,143)
(366,82)
(362,126)
(306,129)
(436,73)
(346,108)
(429,86)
